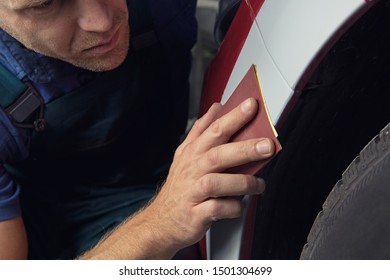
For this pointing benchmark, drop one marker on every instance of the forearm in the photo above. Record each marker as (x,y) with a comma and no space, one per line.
(13,240)
(139,237)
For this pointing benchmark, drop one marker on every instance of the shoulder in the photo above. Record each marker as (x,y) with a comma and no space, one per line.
(14,142)
(13,147)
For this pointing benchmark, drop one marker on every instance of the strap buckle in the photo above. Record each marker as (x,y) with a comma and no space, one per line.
(24,107)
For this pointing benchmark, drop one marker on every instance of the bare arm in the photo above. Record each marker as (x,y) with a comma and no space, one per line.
(13,240)
(196,192)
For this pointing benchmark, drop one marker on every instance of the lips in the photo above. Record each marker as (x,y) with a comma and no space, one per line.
(105,46)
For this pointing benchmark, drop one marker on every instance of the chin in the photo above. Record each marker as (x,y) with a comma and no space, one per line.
(101,64)
(102,67)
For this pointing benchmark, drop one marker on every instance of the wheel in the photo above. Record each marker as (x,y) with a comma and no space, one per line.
(354,222)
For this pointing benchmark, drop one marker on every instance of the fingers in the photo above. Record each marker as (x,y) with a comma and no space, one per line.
(204,122)
(199,127)
(219,191)
(227,185)
(218,209)
(220,131)
(235,154)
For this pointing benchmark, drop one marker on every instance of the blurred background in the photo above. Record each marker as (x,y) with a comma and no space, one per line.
(203,51)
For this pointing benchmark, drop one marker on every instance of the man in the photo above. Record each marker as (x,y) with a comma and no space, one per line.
(84,145)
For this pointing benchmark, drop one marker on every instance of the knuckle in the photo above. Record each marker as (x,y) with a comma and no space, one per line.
(213,159)
(187,149)
(242,149)
(251,185)
(216,129)
(246,182)
(179,150)
(207,185)
(183,151)
(222,209)
(236,210)
(215,210)
(198,124)
(248,150)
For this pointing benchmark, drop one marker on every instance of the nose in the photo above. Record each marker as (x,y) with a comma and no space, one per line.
(94,16)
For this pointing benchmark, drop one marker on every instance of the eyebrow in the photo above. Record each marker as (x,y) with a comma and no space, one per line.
(20,4)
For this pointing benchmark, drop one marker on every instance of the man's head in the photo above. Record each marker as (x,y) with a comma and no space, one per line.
(91,34)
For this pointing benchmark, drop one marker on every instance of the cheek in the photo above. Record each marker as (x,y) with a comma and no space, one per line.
(55,44)
(50,36)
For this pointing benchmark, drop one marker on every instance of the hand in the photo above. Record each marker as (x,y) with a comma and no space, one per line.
(197,192)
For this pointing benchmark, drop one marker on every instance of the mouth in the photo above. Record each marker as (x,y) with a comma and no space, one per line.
(104,46)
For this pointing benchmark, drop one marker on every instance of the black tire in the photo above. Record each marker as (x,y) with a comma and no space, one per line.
(355,220)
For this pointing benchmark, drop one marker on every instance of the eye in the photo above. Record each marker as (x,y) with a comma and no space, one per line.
(42,6)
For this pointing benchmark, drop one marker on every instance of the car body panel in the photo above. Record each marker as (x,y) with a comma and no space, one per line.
(295,30)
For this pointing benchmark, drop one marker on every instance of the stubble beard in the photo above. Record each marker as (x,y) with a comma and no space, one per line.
(108,61)
(76,55)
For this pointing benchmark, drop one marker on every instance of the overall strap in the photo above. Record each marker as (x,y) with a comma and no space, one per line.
(20,101)
(143,34)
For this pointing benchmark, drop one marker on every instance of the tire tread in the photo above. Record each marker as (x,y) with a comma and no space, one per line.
(373,158)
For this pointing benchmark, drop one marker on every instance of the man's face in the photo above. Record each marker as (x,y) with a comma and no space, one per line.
(91,34)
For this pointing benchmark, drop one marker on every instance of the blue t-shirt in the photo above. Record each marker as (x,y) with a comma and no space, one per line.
(176,28)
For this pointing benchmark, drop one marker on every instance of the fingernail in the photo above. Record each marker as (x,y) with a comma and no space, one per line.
(260,185)
(246,106)
(263,147)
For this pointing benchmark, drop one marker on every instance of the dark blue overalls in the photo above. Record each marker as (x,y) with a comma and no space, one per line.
(105,147)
